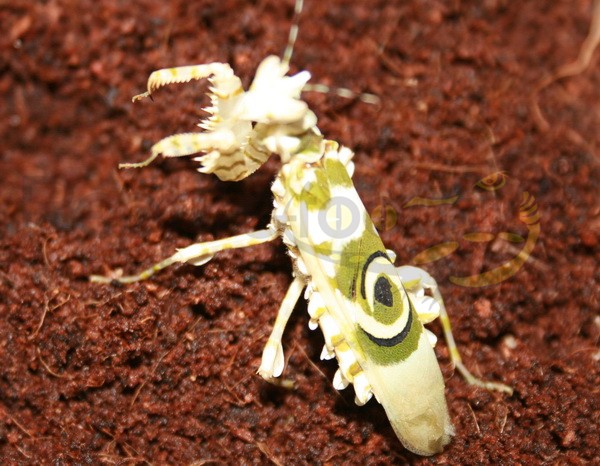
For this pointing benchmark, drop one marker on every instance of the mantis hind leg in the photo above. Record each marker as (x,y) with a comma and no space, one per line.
(195,254)
(418,280)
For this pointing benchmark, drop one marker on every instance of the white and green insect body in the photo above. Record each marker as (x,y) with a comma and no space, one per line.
(371,313)
(357,298)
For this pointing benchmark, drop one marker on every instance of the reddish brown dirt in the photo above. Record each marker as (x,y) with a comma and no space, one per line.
(163,372)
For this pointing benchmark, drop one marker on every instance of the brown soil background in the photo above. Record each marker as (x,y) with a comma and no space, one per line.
(163,372)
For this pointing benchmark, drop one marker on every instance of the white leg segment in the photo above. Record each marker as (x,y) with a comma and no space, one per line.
(272,358)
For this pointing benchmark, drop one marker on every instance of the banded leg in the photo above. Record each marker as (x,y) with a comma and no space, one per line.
(196,254)
(272,358)
(179,145)
(224,78)
(414,278)
(225,86)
